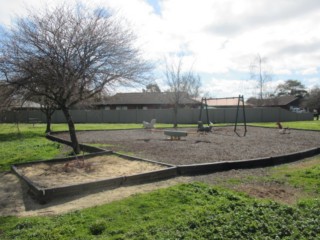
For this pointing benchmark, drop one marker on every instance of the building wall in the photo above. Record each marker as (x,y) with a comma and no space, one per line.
(227,115)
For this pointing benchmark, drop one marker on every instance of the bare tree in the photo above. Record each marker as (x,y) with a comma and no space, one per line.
(259,72)
(7,94)
(48,107)
(181,84)
(69,54)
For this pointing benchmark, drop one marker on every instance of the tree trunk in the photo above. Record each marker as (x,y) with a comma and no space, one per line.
(175,116)
(48,118)
(72,131)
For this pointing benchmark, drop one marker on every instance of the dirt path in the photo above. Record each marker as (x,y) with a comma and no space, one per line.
(15,201)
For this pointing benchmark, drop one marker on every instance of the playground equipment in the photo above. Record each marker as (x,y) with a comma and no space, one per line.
(203,129)
(175,135)
(204,104)
(149,125)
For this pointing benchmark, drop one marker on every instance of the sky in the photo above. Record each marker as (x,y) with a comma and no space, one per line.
(217,39)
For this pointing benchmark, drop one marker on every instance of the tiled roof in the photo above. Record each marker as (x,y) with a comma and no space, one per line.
(223,102)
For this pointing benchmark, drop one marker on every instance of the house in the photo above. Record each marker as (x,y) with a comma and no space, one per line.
(286,102)
(146,100)
(24,105)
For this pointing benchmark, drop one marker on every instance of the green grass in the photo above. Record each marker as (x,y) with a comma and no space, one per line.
(307,125)
(110,126)
(25,142)
(304,174)
(187,211)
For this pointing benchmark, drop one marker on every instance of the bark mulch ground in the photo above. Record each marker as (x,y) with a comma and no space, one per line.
(221,145)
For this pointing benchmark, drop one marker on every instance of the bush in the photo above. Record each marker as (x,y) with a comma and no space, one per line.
(98,227)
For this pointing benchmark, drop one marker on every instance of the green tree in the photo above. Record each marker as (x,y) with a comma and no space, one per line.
(313,99)
(152,87)
(291,87)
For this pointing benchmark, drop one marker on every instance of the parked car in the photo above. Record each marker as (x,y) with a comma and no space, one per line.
(297,110)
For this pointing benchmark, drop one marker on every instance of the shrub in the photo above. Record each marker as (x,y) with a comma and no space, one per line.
(98,227)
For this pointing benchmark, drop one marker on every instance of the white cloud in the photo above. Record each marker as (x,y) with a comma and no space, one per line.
(309,71)
(220,36)
(10,9)
(215,87)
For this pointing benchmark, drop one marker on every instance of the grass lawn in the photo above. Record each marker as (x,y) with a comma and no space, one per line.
(185,211)
(25,142)
(307,125)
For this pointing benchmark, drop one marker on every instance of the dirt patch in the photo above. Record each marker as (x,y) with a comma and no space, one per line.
(15,200)
(251,182)
(47,175)
(11,195)
(272,191)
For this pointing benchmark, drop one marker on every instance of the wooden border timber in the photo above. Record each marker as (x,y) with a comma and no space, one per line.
(206,168)
(44,195)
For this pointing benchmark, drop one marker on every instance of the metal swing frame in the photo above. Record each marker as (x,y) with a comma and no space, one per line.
(240,104)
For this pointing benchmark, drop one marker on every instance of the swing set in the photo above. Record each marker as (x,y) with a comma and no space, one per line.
(240,104)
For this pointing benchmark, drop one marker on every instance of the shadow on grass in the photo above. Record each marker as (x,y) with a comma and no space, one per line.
(6,137)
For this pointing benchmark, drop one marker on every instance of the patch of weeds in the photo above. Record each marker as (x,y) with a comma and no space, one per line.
(234,181)
(98,227)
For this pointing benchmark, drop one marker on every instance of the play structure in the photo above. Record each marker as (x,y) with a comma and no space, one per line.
(149,125)
(175,135)
(282,130)
(203,129)
(204,104)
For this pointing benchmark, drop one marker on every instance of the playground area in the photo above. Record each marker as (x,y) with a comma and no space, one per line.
(222,144)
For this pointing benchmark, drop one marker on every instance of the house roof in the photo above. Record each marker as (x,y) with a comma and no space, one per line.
(144,98)
(24,104)
(222,102)
(280,101)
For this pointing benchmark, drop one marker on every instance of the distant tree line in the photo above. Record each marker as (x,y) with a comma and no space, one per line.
(309,99)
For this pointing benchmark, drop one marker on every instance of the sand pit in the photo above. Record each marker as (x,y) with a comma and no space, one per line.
(48,175)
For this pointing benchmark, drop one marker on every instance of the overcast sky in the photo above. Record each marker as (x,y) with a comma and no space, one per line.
(219,38)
